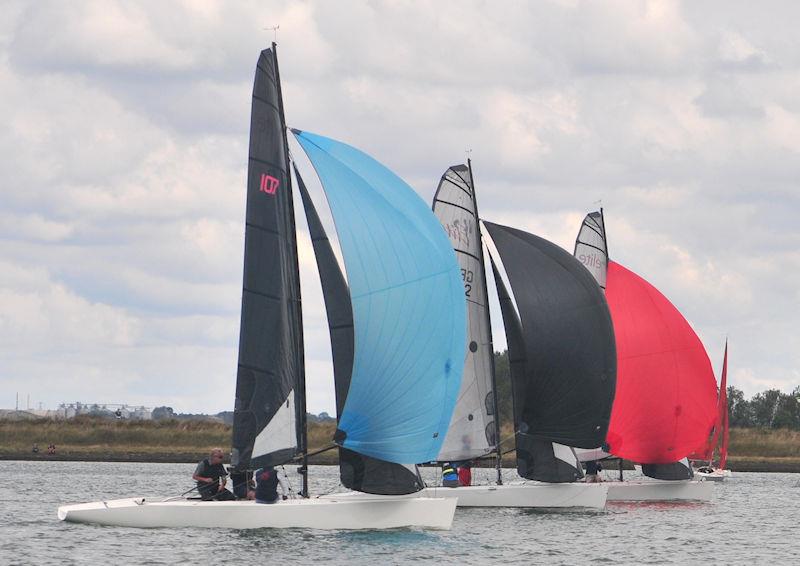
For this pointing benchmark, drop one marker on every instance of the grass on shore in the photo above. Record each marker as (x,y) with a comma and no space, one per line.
(764,443)
(87,434)
(179,440)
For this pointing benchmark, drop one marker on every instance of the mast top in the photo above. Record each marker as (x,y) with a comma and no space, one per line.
(274,31)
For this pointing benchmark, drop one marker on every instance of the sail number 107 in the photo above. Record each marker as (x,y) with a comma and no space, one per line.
(467,276)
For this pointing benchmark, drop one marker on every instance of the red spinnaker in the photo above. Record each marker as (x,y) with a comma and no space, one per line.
(666,398)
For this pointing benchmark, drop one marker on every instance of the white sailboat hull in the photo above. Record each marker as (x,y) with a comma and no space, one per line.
(319,513)
(660,490)
(539,495)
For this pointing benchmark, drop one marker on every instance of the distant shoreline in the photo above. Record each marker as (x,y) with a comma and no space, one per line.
(777,465)
(94,439)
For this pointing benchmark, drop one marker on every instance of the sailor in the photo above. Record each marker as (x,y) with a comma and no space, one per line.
(465,473)
(592,467)
(449,475)
(211,477)
(267,482)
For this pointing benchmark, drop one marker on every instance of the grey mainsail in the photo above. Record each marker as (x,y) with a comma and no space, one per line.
(591,248)
(357,471)
(473,429)
(269,413)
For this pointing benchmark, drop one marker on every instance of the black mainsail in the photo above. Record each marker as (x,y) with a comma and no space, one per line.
(562,353)
(473,430)
(269,414)
(357,471)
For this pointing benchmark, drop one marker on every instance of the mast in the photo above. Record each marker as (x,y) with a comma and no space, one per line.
(498,450)
(605,240)
(298,310)
(723,451)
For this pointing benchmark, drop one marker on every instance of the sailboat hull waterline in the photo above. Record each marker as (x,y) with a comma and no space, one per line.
(560,496)
(573,496)
(327,513)
(660,490)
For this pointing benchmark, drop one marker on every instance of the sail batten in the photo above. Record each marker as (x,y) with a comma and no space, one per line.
(407,302)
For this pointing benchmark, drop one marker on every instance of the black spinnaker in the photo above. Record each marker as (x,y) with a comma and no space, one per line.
(561,352)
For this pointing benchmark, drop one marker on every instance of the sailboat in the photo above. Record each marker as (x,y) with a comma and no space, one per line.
(561,353)
(719,437)
(559,386)
(666,391)
(404,325)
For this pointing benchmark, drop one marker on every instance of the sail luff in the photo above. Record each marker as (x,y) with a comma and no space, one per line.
(493,372)
(302,409)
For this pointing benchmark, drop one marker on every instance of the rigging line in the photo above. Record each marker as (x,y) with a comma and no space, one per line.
(309,454)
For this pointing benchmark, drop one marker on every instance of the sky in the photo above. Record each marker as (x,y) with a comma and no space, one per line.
(123,152)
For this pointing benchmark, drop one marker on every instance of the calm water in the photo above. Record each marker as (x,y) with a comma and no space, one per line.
(752,519)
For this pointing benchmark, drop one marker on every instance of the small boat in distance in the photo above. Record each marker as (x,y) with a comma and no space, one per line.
(407,328)
(719,438)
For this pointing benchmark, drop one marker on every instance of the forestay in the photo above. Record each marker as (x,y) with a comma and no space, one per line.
(358,472)
(472,430)
(408,307)
(270,380)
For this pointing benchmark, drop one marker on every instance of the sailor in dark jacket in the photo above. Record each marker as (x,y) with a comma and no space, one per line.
(449,475)
(267,485)
(210,476)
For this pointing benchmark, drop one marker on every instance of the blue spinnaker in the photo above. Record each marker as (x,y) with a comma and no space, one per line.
(409,311)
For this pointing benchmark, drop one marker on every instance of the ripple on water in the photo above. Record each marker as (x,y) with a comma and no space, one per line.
(751,519)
